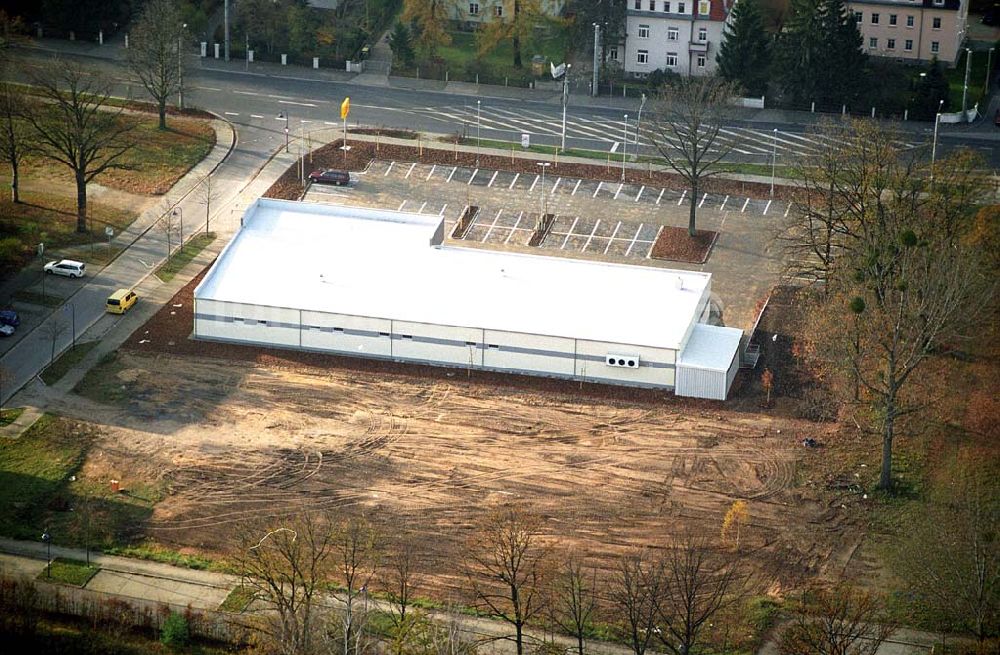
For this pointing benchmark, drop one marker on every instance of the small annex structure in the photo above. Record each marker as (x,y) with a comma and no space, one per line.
(383,284)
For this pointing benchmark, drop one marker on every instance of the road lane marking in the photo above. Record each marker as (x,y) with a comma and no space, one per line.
(255,116)
(766,207)
(723,207)
(598,189)
(401,205)
(452,174)
(659,197)
(702,201)
(495,173)
(639,195)
(576,187)
(474,173)
(620,187)
(745,205)
(649,255)
(433,167)
(537,177)
(231,113)
(682,197)
(412,166)
(514,181)
(391,164)
(300,104)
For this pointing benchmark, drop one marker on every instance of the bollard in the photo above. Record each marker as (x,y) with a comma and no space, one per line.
(216,50)
(100,37)
(873,112)
(906,114)
(315,62)
(204,49)
(505,81)
(72,35)
(843,110)
(126,41)
(446,77)
(624,90)
(477,79)
(813,108)
(249,56)
(284,59)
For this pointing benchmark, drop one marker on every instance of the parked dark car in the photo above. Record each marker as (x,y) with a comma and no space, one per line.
(996,118)
(330,176)
(9,317)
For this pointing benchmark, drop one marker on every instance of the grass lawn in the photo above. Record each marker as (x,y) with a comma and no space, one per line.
(66,361)
(183,257)
(460,56)
(30,297)
(977,80)
(8,416)
(68,571)
(237,600)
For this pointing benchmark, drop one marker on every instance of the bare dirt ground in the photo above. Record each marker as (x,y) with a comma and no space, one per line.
(257,435)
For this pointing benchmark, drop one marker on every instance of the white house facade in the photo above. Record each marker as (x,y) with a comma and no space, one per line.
(681,36)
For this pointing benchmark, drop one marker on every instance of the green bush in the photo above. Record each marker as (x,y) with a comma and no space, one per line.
(175,633)
(10,250)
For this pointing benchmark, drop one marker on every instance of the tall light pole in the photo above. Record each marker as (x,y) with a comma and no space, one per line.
(180,68)
(597,58)
(965,86)
(937,121)
(225,19)
(625,148)
(638,121)
(774,158)
(565,101)
(284,115)
(47,539)
(989,63)
(479,106)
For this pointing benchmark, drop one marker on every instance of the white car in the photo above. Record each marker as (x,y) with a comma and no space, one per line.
(66,267)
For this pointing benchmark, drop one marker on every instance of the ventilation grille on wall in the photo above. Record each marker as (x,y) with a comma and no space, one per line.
(625,361)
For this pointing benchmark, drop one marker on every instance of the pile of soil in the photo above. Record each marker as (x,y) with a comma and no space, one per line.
(676,245)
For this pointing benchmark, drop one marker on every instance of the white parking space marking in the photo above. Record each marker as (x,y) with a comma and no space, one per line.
(401,205)
(723,207)
(632,245)
(639,195)
(391,164)
(495,173)
(598,189)
(412,166)
(592,232)
(745,205)
(788,209)
(682,198)
(532,188)
(702,201)
(577,186)
(571,227)
(660,197)
(555,186)
(649,255)
(433,168)
(452,173)
(514,181)
(766,207)
(492,225)
(620,187)
(421,210)
(514,229)
(441,213)
(474,173)
(617,227)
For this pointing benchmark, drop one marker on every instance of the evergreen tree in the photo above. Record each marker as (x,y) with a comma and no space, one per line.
(931,90)
(401,43)
(744,56)
(819,55)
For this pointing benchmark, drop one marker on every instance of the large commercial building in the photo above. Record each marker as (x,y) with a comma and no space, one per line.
(916,30)
(384,284)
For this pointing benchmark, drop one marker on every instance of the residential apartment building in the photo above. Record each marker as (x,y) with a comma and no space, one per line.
(916,30)
(682,36)
(472,12)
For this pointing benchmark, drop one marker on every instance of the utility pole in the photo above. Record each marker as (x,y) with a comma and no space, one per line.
(625,146)
(638,122)
(565,101)
(597,58)
(965,86)
(225,19)
(989,64)
(180,68)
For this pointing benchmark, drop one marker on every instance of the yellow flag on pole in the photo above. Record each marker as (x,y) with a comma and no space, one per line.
(345,108)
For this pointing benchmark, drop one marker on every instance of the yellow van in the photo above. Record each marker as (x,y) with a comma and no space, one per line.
(121,301)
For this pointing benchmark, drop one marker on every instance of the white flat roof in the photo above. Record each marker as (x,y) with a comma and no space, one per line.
(380,263)
(710,347)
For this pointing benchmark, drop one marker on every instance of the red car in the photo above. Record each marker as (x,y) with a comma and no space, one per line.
(330,176)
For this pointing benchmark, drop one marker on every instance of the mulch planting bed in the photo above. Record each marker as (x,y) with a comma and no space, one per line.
(676,245)
(288,186)
(168,332)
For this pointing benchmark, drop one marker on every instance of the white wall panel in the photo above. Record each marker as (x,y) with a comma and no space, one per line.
(514,352)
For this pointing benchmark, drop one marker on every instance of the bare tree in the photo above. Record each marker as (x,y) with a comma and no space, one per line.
(15,138)
(155,52)
(508,563)
(76,126)
(168,223)
(839,621)
(687,119)
(400,579)
(52,330)
(356,556)
(699,582)
(208,194)
(574,598)
(635,594)
(284,568)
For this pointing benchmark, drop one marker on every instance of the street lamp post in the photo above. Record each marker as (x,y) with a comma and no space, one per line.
(638,122)
(965,86)
(565,101)
(284,115)
(180,68)
(47,540)
(774,158)
(989,63)
(625,148)
(937,121)
(479,106)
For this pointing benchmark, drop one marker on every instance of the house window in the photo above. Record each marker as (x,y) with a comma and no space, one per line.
(652,5)
(644,31)
(874,19)
(701,61)
(936,23)
(873,43)
(671,59)
(642,57)
(681,9)
(613,54)
(908,46)
(702,34)
(473,8)
(892,19)
(704,7)
(666,7)
(672,34)
(638,4)
(909,21)
(892,44)
(498,11)
(858,17)
(935,46)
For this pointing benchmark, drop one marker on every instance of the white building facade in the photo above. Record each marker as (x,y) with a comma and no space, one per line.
(472,12)
(384,284)
(681,36)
